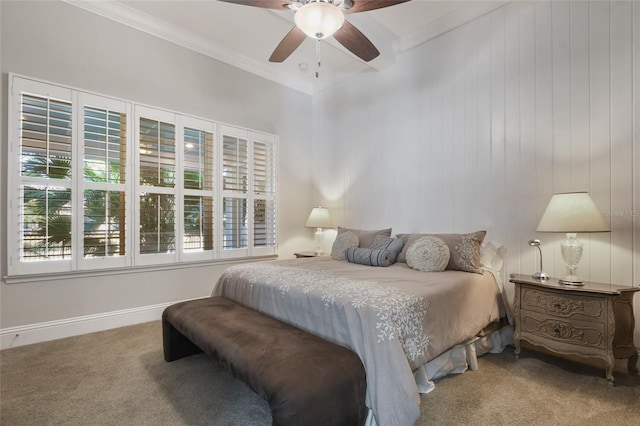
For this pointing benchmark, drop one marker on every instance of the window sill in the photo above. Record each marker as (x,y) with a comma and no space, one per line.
(17,279)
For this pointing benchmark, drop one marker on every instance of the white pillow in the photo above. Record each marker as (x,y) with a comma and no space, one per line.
(428,254)
(344,241)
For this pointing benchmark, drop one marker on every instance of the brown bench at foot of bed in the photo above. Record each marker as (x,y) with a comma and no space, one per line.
(306,380)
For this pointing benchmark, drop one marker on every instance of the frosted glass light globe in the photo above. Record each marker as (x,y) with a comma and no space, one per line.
(319,19)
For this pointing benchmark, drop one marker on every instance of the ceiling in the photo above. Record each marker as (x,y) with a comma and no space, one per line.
(245,36)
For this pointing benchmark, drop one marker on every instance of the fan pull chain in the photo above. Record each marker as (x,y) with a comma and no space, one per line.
(318,57)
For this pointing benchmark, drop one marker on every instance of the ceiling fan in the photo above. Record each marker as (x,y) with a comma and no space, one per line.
(320,19)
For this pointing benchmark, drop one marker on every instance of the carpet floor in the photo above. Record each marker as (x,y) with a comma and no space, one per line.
(119,377)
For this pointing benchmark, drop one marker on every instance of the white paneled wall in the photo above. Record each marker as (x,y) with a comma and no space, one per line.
(477,128)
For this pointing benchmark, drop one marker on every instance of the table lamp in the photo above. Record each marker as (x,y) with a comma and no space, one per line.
(540,275)
(319,218)
(571,213)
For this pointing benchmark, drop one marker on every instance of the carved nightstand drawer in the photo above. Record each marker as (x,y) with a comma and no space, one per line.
(579,333)
(564,305)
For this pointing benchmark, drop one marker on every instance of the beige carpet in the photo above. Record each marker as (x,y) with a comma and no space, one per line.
(119,377)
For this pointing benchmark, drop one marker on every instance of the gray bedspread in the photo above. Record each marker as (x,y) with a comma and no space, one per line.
(396,319)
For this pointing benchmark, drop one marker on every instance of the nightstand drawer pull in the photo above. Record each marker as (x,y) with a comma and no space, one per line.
(563,306)
(561,330)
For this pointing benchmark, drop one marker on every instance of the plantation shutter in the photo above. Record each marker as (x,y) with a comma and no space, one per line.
(157,202)
(198,184)
(235,182)
(45,198)
(264,202)
(105,175)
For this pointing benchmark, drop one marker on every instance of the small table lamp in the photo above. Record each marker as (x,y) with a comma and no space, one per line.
(319,218)
(571,213)
(540,274)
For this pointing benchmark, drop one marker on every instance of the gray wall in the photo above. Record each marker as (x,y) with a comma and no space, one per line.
(63,44)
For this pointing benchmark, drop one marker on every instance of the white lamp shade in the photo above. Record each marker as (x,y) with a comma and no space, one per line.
(319,218)
(572,212)
(319,19)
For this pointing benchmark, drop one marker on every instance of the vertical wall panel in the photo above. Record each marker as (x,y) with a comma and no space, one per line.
(600,140)
(544,128)
(449,162)
(621,141)
(636,161)
(561,62)
(636,146)
(482,177)
(580,119)
(497,165)
(512,133)
(527,216)
(469,125)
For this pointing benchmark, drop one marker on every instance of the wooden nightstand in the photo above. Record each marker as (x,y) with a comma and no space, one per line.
(592,320)
(306,254)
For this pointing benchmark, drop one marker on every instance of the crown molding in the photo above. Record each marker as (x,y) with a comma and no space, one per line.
(141,21)
(446,24)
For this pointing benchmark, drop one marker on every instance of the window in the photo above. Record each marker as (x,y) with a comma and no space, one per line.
(97,182)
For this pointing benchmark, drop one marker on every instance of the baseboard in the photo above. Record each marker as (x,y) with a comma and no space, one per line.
(41,332)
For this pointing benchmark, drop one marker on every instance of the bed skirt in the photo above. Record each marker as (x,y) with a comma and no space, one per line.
(457,360)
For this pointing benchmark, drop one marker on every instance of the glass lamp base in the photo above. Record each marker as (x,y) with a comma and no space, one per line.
(318,238)
(571,250)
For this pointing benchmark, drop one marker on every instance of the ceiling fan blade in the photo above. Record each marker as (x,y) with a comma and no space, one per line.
(365,5)
(289,43)
(267,4)
(356,42)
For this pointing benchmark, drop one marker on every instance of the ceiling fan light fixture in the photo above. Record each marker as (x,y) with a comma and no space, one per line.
(319,19)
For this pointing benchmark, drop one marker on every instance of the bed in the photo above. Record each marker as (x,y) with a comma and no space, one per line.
(406,325)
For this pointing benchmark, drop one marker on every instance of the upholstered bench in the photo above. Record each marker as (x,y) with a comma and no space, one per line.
(306,380)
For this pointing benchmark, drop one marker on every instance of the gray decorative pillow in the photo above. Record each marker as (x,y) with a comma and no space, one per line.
(394,245)
(464,248)
(366,236)
(369,257)
(344,240)
(428,254)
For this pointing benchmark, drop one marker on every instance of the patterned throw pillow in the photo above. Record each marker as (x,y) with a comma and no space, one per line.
(428,254)
(344,240)
(464,248)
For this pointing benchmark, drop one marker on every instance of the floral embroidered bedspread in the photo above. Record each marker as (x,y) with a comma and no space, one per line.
(383,325)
